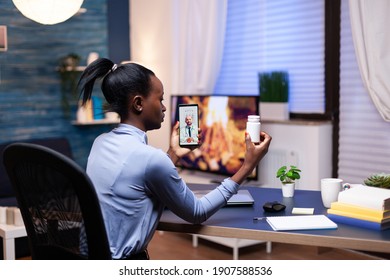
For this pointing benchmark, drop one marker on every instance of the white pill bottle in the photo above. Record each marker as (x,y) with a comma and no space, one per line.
(253,127)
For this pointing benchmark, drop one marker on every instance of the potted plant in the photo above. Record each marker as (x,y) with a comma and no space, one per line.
(288,176)
(274,92)
(67,68)
(379,180)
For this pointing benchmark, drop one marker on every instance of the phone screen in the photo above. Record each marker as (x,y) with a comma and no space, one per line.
(189,124)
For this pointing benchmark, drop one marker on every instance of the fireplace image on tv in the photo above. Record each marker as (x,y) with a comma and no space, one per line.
(222,120)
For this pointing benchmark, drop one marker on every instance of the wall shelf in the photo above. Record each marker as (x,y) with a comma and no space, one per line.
(70,69)
(95,122)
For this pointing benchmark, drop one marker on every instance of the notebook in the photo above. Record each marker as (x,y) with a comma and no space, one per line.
(304,222)
(242,197)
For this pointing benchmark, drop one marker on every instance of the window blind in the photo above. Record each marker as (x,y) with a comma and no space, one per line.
(269,35)
(241,57)
(364,143)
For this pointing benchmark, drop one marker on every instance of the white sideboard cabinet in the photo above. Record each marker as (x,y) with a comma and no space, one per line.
(306,144)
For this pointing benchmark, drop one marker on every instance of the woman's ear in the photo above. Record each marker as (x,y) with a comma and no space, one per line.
(137,103)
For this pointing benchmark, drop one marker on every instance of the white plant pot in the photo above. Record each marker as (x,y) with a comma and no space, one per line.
(274,111)
(288,189)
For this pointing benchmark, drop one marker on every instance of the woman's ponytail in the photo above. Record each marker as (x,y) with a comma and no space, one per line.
(96,70)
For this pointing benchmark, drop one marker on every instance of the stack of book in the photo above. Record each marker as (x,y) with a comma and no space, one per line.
(91,111)
(362,206)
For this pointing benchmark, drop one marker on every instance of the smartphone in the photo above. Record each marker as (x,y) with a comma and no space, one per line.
(189,124)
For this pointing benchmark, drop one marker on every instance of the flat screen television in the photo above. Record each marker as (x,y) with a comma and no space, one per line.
(223,123)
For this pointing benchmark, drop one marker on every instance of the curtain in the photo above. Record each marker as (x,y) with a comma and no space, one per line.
(369,23)
(190,35)
(364,143)
(182,42)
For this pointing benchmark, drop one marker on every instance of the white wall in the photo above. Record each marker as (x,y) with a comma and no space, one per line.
(154,54)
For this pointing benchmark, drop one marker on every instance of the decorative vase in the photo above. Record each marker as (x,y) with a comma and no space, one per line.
(288,189)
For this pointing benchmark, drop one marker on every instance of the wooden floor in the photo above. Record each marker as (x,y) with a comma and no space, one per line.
(176,246)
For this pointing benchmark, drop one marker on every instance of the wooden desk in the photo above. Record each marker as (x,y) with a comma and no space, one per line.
(237,222)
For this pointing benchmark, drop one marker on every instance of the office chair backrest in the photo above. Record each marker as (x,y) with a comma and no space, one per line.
(58,202)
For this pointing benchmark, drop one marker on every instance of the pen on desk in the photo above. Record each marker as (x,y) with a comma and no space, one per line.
(259,218)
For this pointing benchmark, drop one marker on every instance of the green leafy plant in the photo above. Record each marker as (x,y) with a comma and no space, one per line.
(288,175)
(67,68)
(379,180)
(273,86)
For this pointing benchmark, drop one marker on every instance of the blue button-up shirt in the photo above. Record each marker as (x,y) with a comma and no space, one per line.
(135,181)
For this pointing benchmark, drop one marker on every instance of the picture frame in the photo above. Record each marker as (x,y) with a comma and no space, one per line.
(3,38)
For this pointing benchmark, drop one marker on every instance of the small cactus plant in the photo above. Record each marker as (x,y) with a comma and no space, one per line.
(379,180)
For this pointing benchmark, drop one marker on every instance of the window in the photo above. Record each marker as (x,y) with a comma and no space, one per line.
(270,35)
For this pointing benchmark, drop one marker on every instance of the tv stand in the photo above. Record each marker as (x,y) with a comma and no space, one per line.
(216,181)
(198,177)
(234,243)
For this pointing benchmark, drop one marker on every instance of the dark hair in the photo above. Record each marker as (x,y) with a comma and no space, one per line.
(119,83)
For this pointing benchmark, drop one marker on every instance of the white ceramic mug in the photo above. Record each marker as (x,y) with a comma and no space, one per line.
(330,188)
